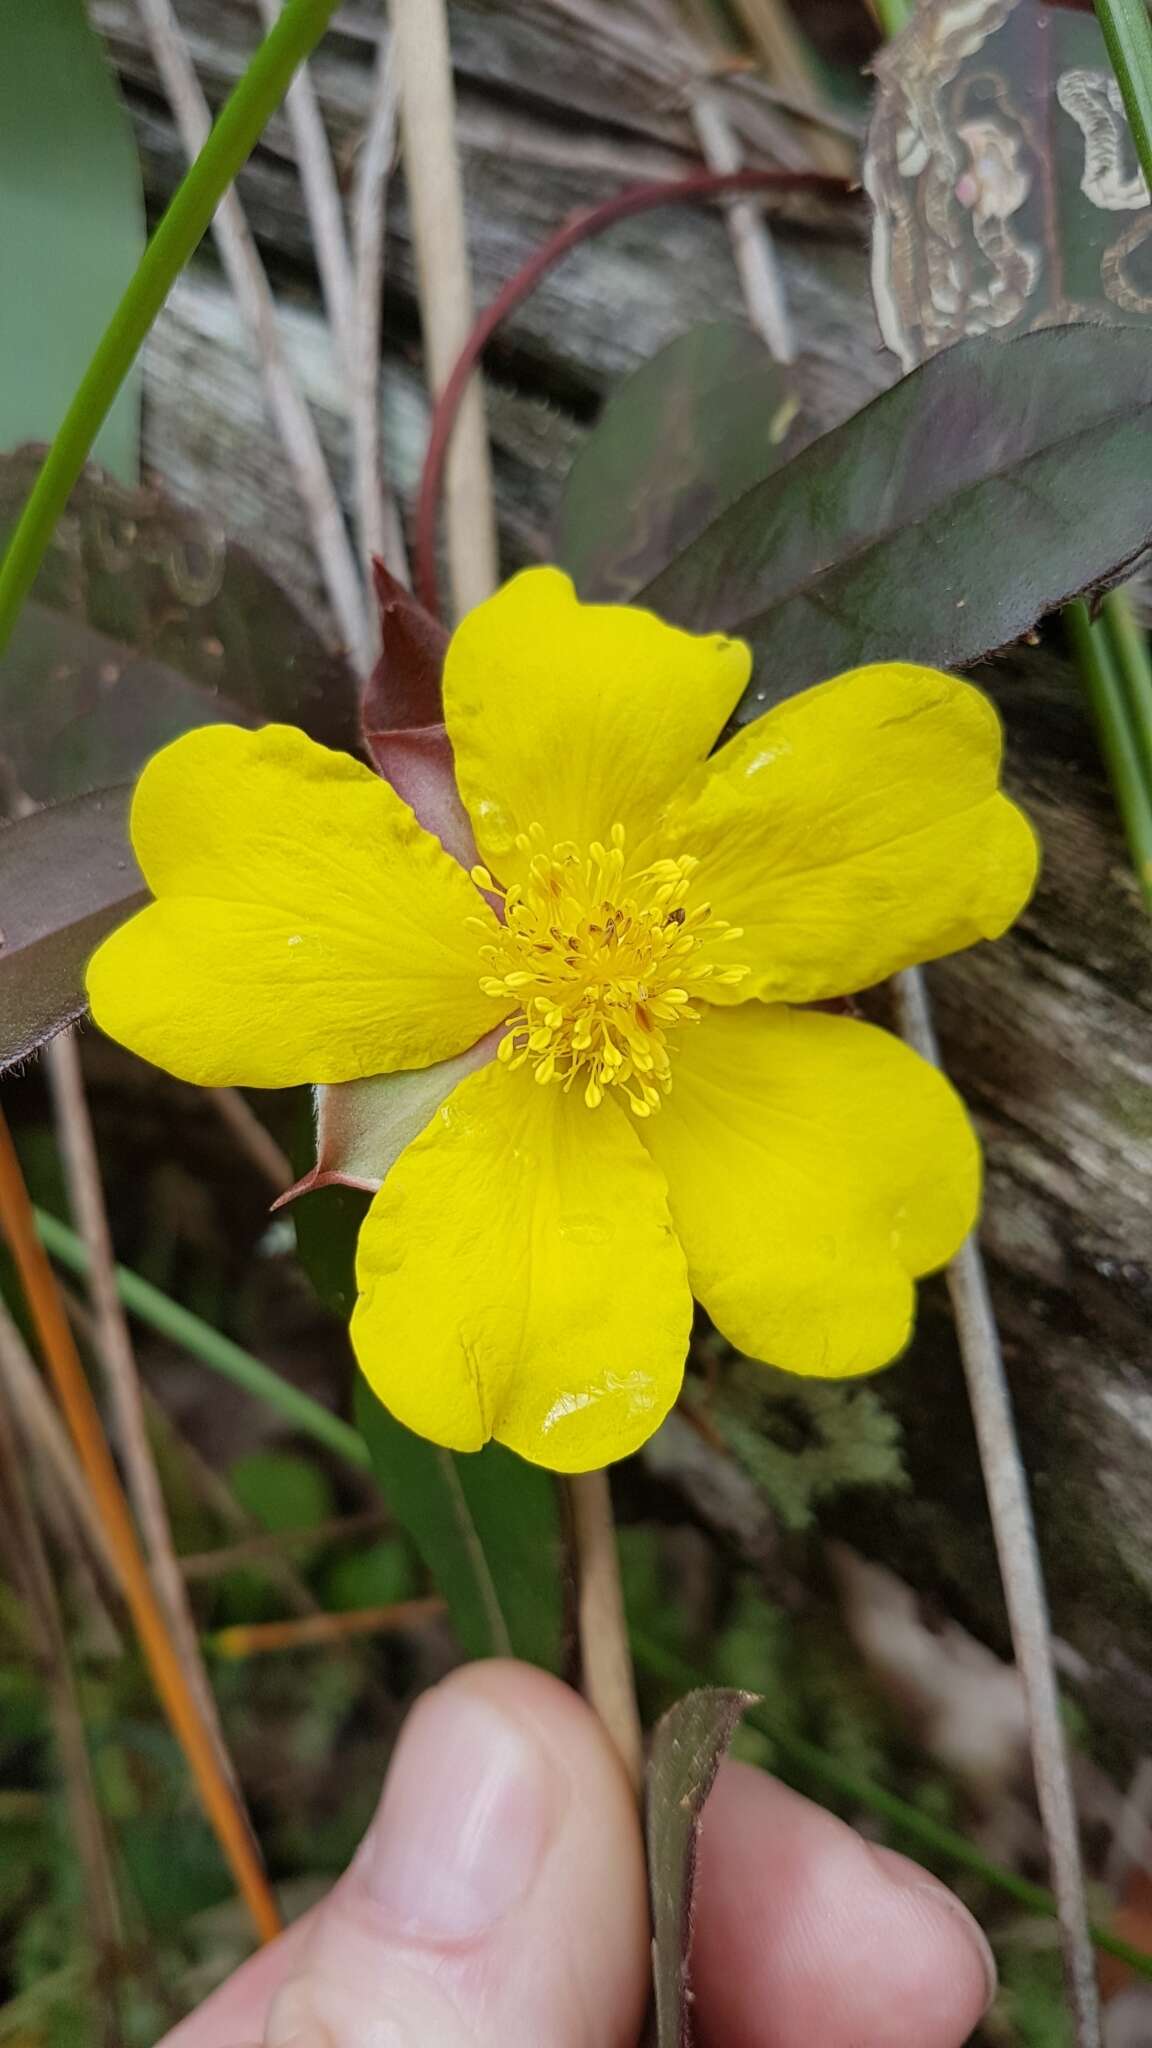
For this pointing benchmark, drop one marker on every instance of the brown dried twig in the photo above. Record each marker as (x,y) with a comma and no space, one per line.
(269,1545)
(253,1137)
(48,1444)
(1020,1569)
(349,285)
(259,1638)
(50,1321)
(787,61)
(432,169)
(606,1675)
(241,260)
(322,200)
(379,521)
(753,250)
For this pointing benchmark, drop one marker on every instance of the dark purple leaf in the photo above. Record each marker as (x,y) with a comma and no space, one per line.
(67,877)
(688,1748)
(418,761)
(404,687)
(403,716)
(146,621)
(687,433)
(79,710)
(939,523)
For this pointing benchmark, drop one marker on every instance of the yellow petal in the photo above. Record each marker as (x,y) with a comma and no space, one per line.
(857,829)
(520,1279)
(578,717)
(306,928)
(814,1166)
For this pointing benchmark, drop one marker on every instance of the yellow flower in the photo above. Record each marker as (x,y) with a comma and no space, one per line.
(662,1120)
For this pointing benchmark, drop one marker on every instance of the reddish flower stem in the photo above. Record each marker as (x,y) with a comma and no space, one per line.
(636,199)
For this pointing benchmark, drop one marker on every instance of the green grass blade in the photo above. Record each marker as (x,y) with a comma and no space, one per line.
(213,1349)
(1129,644)
(1092,647)
(1128,34)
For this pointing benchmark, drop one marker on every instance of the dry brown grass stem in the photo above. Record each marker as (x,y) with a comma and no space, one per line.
(381,532)
(753,250)
(1021,1571)
(241,260)
(436,199)
(259,1638)
(254,1138)
(32,1575)
(787,63)
(53,1331)
(49,1446)
(606,1674)
(113,1346)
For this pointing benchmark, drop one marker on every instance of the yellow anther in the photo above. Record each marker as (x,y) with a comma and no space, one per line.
(598,965)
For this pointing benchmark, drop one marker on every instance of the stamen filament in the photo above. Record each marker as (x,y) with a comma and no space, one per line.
(600,966)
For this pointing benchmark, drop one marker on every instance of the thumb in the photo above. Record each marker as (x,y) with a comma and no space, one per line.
(498,1899)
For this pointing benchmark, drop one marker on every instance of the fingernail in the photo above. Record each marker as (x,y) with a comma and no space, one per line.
(942,1897)
(467,1811)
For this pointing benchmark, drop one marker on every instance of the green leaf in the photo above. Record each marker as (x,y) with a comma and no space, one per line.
(995,482)
(281,1491)
(326,1217)
(71,227)
(174,1865)
(378,1575)
(488,1528)
(688,432)
(687,1750)
(67,876)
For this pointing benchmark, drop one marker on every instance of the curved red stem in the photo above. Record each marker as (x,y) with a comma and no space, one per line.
(636,199)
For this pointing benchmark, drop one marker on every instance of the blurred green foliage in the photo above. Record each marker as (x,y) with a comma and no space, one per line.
(71,228)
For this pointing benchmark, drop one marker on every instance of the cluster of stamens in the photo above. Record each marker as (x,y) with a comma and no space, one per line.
(601,964)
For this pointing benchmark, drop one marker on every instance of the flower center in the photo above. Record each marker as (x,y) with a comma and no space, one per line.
(602,964)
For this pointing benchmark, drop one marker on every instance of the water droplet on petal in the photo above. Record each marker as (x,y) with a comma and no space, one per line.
(586,1228)
(459,1121)
(494,826)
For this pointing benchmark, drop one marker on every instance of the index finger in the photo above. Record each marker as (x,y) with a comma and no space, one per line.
(805,1932)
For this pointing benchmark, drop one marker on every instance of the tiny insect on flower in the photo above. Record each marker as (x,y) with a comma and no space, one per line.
(659,1114)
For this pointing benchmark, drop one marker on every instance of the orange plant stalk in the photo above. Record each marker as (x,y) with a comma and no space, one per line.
(304,1631)
(82,1415)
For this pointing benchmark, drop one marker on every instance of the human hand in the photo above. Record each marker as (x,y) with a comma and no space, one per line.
(498,1901)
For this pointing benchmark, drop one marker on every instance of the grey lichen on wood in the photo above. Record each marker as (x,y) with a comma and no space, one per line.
(1046,1034)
